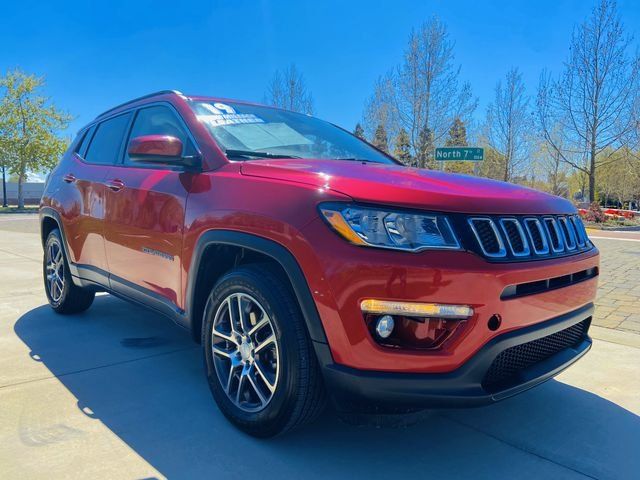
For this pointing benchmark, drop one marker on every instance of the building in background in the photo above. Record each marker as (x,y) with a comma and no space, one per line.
(32,193)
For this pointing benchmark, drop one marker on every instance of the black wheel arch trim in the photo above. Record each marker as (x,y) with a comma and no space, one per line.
(49,212)
(271,249)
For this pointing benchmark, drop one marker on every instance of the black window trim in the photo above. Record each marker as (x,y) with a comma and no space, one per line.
(134,111)
(95,126)
(79,140)
(86,133)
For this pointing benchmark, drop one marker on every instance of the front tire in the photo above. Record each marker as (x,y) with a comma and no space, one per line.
(259,359)
(63,295)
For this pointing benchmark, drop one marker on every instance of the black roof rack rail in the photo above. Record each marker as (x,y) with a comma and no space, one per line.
(161,92)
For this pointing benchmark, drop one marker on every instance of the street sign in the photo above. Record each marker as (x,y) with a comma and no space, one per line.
(459,154)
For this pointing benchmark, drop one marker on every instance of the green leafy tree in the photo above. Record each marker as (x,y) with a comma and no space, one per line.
(380,138)
(424,153)
(493,164)
(29,127)
(457,135)
(578,183)
(618,181)
(402,150)
(359,131)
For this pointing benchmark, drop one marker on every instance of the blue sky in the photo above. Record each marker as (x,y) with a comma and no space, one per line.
(97,55)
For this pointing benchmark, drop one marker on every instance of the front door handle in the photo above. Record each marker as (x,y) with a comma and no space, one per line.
(115,185)
(69,178)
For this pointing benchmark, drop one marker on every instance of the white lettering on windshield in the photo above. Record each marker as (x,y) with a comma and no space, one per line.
(219,119)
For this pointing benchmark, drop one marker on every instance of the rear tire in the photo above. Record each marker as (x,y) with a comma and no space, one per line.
(270,347)
(63,295)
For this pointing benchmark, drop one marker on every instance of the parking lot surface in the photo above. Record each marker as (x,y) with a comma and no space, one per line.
(119,392)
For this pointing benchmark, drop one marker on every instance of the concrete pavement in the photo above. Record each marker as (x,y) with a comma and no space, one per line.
(119,392)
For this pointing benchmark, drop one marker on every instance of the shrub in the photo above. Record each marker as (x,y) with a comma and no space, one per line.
(594,214)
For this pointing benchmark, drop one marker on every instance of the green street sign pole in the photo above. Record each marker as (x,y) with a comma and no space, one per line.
(459,154)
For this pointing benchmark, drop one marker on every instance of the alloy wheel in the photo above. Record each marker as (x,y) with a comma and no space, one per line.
(245,352)
(55,271)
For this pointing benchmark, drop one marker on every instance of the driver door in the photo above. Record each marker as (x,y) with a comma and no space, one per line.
(145,209)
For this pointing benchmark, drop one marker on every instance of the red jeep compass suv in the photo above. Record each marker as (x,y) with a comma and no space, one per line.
(311,265)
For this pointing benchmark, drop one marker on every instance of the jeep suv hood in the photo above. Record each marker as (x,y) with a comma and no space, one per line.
(410,187)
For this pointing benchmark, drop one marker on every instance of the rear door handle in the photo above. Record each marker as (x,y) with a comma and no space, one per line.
(115,185)
(69,178)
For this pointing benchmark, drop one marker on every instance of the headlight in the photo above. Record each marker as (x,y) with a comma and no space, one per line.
(390,229)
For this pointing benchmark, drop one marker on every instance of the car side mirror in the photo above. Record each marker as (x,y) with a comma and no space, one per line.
(160,150)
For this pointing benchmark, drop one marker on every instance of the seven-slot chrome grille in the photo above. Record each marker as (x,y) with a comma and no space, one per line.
(528,236)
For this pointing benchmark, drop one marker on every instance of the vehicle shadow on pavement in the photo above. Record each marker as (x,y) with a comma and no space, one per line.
(142,377)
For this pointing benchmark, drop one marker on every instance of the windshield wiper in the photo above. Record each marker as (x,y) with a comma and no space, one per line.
(253,153)
(353,159)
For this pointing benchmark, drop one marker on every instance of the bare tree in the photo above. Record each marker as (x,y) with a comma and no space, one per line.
(424,93)
(548,163)
(379,109)
(595,98)
(288,89)
(556,176)
(509,123)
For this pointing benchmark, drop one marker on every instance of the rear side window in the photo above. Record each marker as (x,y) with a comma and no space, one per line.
(83,144)
(104,148)
(160,120)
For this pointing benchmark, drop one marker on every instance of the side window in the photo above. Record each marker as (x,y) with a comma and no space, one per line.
(159,120)
(105,146)
(83,144)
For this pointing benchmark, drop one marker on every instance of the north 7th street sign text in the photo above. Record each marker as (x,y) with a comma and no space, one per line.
(459,154)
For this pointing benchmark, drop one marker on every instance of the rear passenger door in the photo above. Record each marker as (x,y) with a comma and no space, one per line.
(83,196)
(145,209)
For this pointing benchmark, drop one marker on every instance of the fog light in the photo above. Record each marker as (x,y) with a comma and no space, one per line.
(384,326)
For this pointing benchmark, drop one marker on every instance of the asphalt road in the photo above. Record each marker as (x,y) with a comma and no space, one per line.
(119,392)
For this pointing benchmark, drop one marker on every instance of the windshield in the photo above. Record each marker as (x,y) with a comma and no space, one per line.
(251,132)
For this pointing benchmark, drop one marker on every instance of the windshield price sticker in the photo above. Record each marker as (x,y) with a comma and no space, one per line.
(221,119)
(219,108)
(222,114)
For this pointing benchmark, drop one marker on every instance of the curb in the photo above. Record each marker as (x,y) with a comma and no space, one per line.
(611,335)
(628,228)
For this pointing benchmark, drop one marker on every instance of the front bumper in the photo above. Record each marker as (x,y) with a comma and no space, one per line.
(341,275)
(360,390)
